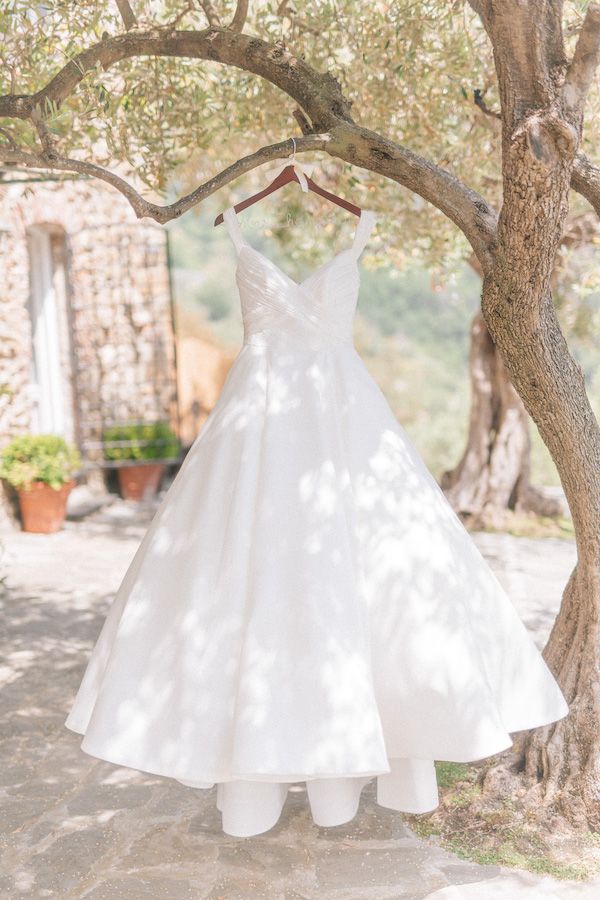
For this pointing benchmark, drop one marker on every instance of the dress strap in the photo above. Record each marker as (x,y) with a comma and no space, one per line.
(363,230)
(232,224)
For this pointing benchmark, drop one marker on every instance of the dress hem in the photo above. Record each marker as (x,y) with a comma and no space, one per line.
(468,757)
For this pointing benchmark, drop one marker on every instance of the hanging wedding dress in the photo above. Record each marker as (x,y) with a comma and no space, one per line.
(306,606)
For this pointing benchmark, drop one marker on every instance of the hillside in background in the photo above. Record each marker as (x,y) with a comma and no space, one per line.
(413,335)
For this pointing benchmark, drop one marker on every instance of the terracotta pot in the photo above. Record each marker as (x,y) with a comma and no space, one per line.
(140,482)
(43,508)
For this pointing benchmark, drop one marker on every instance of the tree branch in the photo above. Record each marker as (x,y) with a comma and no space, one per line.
(462,205)
(480,102)
(325,111)
(585,61)
(212,16)
(9,138)
(585,179)
(528,50)
(127,14)
(317,93)
(46,140)
(145,208)
(240,16)
(303,121)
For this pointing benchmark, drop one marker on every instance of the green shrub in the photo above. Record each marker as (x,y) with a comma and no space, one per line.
(137,441)
(39,457)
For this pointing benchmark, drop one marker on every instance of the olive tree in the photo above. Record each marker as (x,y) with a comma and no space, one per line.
(168,79)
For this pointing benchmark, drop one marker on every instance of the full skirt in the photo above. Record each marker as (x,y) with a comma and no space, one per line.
(307,607)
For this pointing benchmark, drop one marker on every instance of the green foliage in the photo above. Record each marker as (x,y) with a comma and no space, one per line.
(39,457)
(410,69)
(140,441)
(412,303)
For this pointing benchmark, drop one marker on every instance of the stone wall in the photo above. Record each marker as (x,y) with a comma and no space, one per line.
(120,363)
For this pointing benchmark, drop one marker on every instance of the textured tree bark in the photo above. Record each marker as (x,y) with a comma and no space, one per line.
(540,140)
(493,475)
(562,761)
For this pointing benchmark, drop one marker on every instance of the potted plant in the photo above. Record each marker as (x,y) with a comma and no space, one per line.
(141,451)
(41,468)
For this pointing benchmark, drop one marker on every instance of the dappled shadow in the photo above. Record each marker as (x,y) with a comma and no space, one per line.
(303,605)
(324,615)
(306,603)
(71,823)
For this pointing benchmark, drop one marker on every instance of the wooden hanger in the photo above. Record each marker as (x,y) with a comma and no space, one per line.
(288,175)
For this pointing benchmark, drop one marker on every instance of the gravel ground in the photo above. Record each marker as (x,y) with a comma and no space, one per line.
(74,826)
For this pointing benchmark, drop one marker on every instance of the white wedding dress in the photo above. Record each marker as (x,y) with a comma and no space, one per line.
(306,606)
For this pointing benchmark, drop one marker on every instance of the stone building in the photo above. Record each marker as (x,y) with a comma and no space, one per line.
(86,327)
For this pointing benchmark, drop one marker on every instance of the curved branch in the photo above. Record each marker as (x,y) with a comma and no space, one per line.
(585,179)
(462,205)
(318,94)
(127,14)
(145,208)
(212,16)
(585,60)
(240,16)
(323,111)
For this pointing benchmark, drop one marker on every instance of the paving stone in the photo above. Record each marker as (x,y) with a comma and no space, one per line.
(43,789)
(76,827)
(458,873)
(96,797)
(68,860)
(519,886)
(171,800)
(143,887)
(13,775)
(341,867)
(207,823)
(372,823)
(227,888)
(7,886)
(16,812)
(275,860)
(238,857)
(168,846)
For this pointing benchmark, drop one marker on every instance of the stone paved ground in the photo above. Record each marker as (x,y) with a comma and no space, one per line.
(76,827)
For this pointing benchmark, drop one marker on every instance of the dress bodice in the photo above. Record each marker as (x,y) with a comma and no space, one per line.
(315,312)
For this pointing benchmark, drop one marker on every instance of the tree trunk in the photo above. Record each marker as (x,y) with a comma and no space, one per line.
(564,759)
(542,97)
(492,476)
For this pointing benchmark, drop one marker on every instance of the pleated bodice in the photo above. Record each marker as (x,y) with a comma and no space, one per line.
(313,313)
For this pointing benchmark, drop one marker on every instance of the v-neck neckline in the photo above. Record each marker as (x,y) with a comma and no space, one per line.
(289,278)
(297,284)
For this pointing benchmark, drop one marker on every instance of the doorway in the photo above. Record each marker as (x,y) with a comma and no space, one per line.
(51,366)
